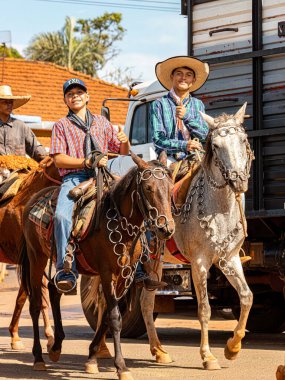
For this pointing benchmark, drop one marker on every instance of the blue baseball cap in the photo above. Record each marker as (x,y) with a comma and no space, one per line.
(73,82)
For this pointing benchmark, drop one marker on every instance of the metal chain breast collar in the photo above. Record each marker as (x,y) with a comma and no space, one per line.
(117,224)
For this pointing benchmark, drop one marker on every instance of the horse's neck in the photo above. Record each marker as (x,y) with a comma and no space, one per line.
(218,201)
(127,204)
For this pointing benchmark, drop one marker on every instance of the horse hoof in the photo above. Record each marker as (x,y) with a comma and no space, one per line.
(54,355)
(163,358)
(230,355)
(17,346)
(39,366)
(50,343)
(104,354)
(211,365)
(91,367)
(125,376)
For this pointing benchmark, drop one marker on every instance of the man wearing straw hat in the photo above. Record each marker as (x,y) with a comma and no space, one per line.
(16,138)
(175,119)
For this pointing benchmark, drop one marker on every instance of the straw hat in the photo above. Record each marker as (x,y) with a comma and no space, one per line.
(164,69)
(18,101)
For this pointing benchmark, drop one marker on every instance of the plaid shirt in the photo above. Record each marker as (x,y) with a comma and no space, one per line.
(163,124)
(68,139)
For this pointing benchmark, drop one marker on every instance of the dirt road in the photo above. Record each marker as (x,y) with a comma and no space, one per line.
(180,335)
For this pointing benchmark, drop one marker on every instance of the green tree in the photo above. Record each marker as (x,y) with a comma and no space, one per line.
(84,46)
(9,52)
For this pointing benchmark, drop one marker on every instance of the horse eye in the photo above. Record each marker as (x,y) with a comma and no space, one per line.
(149,188)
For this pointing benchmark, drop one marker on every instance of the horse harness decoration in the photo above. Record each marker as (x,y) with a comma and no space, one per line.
(220,246)
(117,222)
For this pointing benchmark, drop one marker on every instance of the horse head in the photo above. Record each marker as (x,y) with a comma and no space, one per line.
(229,147)
(154,187)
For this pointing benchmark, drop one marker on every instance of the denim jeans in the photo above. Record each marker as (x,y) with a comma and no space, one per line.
(63,219)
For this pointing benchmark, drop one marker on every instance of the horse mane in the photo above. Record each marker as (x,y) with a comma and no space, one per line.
(219,121)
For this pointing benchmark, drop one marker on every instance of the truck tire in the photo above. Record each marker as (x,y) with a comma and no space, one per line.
(267,314)
(133,323)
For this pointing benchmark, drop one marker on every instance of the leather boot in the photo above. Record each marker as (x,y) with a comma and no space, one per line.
(148,282)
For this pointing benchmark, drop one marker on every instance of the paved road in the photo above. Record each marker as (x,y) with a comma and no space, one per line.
(180,335)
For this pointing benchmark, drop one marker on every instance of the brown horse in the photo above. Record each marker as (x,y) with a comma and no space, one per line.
(140,198)
(11,238)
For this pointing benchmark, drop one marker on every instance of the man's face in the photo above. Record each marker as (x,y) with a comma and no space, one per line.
(76,98)
(182,79)
(6,107)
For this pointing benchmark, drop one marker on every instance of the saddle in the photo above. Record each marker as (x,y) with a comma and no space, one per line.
(42,213)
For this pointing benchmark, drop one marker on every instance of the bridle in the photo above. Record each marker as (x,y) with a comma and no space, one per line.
(228,174)
(150,214)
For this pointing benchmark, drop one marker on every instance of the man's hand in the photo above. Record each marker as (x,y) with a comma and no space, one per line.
(193,145)
(103,162)
(180,111)
(45,161)
(122,137)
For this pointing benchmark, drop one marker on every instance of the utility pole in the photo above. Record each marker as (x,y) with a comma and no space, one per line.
(186,11)
(189,29)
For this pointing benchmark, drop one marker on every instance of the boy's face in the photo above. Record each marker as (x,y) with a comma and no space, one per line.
(182,79)
(76,98)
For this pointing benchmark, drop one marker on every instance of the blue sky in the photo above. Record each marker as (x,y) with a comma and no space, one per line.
(151,36)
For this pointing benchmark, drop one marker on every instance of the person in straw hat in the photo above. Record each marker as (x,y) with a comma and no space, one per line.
(16,138)
(175,118)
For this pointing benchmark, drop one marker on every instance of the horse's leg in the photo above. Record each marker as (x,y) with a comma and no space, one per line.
(147,306)
(55,296)
(199,268)
(103,351)
(245,295)
(115,324)
(45,310)
(91,366)
(16,343)
(36,276)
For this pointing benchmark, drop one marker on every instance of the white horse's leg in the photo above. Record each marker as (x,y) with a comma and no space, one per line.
(147,305)
(200,267)
(245,295)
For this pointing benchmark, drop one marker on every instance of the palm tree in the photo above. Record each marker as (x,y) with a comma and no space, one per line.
(66,49)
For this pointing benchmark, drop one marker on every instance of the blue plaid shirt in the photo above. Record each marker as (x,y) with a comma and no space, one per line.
(163,124)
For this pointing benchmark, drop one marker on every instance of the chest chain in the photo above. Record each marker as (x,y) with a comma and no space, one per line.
(220,245)
(116,225)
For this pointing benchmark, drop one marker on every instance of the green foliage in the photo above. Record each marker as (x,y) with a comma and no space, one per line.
(85,45)
(9,52)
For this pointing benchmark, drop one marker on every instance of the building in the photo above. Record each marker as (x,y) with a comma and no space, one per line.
(44,80)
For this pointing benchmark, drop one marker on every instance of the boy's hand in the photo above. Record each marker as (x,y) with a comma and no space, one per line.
(193,145)
(122,137)
(180,111)
(103,162)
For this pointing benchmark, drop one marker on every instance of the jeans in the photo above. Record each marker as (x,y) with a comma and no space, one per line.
(63,219)
(140,273)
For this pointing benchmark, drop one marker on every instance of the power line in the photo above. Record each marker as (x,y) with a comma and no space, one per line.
(115,5)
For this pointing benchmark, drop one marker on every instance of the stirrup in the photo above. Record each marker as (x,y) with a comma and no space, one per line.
(55,280)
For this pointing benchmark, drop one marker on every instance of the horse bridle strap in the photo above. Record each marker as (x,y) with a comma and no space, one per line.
(145,207)
(232,175)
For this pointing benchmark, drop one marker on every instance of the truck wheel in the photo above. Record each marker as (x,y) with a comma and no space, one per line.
(133,323)
(267,314)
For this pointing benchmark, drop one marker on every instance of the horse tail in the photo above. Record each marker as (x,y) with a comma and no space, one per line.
(24,269)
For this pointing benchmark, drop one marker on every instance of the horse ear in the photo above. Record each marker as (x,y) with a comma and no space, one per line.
(162,158)
(239,116)
(139,161)
(208,119)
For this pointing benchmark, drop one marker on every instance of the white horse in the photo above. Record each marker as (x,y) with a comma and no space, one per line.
(211,228)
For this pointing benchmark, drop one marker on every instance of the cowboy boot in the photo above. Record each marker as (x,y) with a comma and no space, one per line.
(147,281)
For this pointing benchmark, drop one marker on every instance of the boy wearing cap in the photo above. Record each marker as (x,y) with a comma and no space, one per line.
(74,137)
(16,138)
(175,118)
